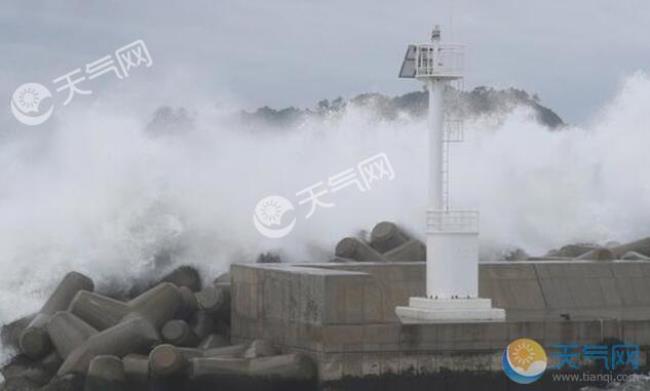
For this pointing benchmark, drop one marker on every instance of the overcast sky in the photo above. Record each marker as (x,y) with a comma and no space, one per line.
(295,52)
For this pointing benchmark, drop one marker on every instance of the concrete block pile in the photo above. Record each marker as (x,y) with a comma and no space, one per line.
(172,336)
(388,243)
(638,250)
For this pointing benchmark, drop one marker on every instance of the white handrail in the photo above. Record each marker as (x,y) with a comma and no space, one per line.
(464,221)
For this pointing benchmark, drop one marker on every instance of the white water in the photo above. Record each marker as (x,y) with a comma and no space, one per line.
(99,195)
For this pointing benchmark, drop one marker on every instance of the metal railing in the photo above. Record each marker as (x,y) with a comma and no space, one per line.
(445,60)
(461,221)
(453,131)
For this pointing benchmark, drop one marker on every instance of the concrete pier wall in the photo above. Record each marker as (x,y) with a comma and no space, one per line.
(581,289)
(343,314)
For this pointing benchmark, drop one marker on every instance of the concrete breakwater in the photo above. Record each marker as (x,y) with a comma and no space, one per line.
(342,314)
(328,326)
(175,335)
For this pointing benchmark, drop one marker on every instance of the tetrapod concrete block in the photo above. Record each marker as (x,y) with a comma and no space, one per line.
(214,298)
(34,341)
(168,360)
(67,332)
(387,236)
(354,248)
(158,305)
(184,276)
(177,332)
(598,254)
(292,366)
(260,348)
(106,373)
(634,256)
(133,335)
(213,341)
(190,303)
(99,311)
(136,368)
(11,332)
(203,324)
(641,246)
(411,251)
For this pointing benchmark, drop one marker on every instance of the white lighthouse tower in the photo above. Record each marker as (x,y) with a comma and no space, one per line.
(452,235)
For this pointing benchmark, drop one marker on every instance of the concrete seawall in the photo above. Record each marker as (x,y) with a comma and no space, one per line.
(581,289)
(343,314)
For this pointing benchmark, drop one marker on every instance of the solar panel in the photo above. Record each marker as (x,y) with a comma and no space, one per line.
(408,66)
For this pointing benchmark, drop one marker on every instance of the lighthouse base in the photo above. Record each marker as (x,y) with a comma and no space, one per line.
(424,310)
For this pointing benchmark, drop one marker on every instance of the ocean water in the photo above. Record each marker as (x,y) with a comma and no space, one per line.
(97,193)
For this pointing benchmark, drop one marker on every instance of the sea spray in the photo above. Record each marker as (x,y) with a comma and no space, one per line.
(101,194)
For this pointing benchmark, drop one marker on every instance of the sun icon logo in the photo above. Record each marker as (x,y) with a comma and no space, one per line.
(27,104)
(269,213)
(524,361)
(28,99)
(522,354)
